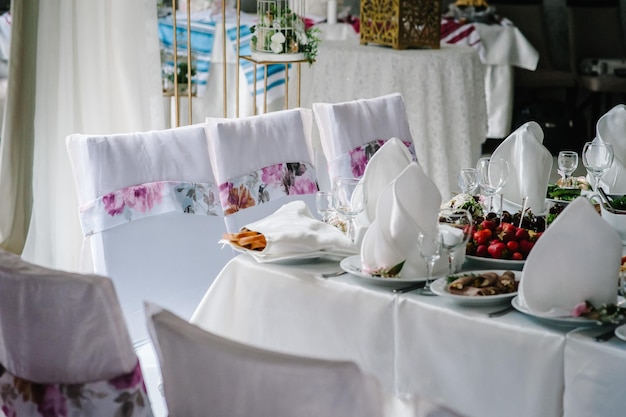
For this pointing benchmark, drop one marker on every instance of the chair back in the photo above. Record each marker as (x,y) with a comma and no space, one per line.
(239,380)
(261,163)
(351,132)
(64,346)
(150,213)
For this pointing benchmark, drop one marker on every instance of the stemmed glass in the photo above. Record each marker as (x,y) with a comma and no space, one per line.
(430,250)
(568,162)
(455,226)
(468,180)
(492,175)
(324,205)
(597,158)
(349,199)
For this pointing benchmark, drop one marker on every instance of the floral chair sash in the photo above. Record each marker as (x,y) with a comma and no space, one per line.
(123,396)
(352,163)
(145,200)
(269,183)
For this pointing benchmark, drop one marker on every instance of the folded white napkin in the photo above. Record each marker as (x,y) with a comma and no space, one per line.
(611,128)
(407,206)
(576,259)
(292,232)
(384,167)
(530,164)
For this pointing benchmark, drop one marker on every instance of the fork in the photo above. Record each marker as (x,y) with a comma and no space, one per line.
(333,274)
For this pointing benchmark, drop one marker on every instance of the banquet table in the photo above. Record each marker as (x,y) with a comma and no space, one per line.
(443,91)
(458,356)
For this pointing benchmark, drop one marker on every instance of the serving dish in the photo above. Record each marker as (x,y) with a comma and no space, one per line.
(353,265)
(440,287)
(491,263)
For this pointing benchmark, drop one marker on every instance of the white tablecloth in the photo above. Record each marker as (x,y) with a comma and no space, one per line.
(443,92)
(507,366)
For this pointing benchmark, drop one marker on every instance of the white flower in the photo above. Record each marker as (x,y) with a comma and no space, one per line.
(276,47)
(277,37)
(276,24)
(302,39)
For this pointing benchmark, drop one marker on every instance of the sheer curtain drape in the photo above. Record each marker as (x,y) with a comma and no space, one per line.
(97,71)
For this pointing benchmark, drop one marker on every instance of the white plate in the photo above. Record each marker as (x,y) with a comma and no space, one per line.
(440,287)
(297,258)
(352,265)
(491,263)
(569,322)
(620,331)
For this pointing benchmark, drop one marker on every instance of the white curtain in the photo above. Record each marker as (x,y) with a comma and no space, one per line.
(97,71)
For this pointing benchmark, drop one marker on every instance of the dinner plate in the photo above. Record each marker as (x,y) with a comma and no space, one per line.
(620,332)
(440,287)
(352,265)
(295,258)
(568,322)
(491,263)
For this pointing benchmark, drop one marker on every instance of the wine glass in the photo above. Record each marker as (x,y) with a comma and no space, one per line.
(597,159)
(492,175)
(468,181)
(349,199)
(455,227)
(430,250)
(568,162)
(324,205)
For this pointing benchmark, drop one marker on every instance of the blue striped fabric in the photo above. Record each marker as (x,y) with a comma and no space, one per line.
(202,38)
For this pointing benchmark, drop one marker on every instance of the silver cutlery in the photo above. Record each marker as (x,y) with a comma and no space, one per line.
(333,274)
(408,288)
(501,312)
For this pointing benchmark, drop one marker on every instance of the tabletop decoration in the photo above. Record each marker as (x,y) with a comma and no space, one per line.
(472,11)
(281,33)
(401,24)
(604,314)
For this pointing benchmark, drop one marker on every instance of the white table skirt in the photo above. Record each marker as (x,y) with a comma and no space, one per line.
(443,91)
(595,374)
(507,366)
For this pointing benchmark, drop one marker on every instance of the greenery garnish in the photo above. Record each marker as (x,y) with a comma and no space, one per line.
(392,272)
(605,314)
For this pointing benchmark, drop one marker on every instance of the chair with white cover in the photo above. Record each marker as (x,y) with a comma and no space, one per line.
(64,346)
(261,163)
(351,132)
(204,371)
(152,221)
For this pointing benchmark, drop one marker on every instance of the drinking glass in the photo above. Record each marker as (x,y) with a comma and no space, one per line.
(468,181)
(455,227)
(430,251)
(492,175)
(349,199)
(568,162)
(597,159)
(324,205)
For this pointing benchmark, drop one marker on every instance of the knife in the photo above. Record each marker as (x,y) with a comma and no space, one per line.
(408,288)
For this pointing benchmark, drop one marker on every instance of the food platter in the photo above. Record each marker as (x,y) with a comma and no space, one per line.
(440,287)
(352,265)
(491,263)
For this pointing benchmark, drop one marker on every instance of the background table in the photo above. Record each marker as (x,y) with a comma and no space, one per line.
(507,366)
(443,91)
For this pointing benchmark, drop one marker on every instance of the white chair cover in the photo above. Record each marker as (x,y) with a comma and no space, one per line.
(64,347)
(351,132)
(204,373)
(149,205)
(261,163)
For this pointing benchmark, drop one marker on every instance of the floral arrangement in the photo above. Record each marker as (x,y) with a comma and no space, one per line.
(282,31)
(605,314)
(468,202)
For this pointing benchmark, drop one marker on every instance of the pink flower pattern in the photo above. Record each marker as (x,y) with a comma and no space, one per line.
(361,155)
(265,184)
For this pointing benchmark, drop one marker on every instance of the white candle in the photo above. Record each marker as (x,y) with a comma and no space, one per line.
(331,12)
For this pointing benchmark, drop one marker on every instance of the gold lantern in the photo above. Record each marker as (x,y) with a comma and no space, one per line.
(401,24)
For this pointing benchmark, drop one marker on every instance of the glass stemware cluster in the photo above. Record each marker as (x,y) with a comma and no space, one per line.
(347,199)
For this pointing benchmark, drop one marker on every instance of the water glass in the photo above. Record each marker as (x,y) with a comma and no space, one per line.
(492,175)
(430,250)
(324,205)
(349,199)
(455,227)
(597,159)
(468,180)
(568,162)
